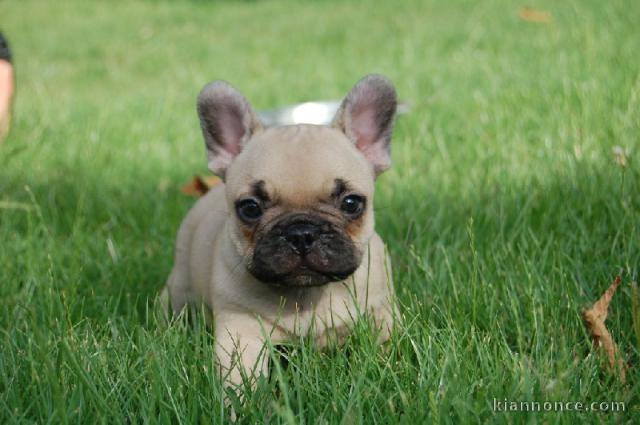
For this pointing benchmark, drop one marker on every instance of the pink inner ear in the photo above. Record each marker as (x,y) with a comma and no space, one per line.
(370,138)
(231,130)
(364,128)
(366,117)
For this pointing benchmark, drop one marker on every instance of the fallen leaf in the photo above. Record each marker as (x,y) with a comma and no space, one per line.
(198,186)
(594,319)
(536,16)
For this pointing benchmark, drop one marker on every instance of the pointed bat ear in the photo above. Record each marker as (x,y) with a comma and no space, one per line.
(227,122)
(366,116)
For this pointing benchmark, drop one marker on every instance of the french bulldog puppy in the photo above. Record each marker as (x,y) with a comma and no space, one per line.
(286,246)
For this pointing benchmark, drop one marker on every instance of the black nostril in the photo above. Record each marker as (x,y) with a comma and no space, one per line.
(308,239)
(301,237)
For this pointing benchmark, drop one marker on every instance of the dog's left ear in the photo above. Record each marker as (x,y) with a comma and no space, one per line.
(227,122)
(366,116)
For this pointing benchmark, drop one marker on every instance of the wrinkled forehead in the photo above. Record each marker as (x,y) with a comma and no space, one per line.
(300,164)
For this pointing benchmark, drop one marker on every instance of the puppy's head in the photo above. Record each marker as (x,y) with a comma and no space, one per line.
(300,197)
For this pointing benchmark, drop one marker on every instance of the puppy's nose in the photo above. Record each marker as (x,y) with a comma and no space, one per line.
(301,237)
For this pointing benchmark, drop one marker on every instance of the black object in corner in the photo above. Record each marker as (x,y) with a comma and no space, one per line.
(5,52)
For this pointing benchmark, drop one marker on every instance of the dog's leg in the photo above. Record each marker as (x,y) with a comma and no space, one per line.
(163,306)
(241,354)
(384,318)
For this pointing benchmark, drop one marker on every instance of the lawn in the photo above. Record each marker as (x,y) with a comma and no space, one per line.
(506,211)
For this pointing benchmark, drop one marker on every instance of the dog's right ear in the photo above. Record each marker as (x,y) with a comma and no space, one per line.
(227,122)
(366,116)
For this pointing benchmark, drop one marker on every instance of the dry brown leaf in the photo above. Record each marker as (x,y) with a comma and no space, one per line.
(594,319)
(198,186)
(536,16)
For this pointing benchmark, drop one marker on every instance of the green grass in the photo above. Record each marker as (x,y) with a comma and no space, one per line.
(505,212)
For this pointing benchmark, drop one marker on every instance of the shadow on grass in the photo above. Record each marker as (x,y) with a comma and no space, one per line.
(107,246)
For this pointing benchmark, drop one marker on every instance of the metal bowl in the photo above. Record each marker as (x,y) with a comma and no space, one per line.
(315,112)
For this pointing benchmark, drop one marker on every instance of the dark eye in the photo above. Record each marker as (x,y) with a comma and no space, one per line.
(353,205)
(249,210)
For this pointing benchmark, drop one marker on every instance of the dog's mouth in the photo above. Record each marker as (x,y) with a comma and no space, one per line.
(302,276)
(304,252)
